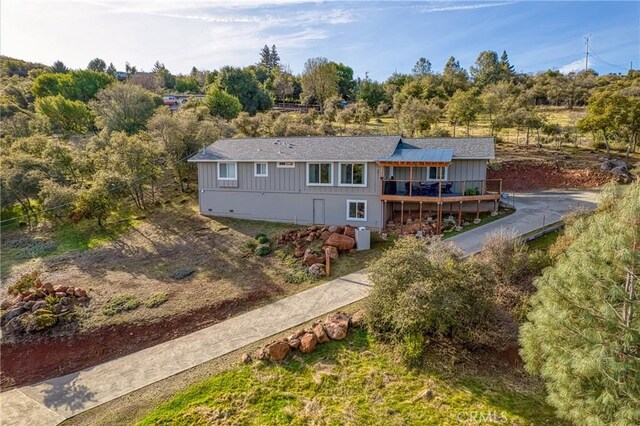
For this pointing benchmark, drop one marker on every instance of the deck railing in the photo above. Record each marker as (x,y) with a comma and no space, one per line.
(441,189)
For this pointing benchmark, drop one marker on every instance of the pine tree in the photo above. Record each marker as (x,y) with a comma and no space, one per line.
(265,57)
(274,59)
(422,67)
(507,70)
(60,67)
(583,331)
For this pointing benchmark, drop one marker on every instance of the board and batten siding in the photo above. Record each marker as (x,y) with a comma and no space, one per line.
(458,170)
(285,180)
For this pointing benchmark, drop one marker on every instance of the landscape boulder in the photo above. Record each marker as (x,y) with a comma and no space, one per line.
(337,325)
(298,250)
(40,304)
(294,342)
(358,318)
(325,236)
(317,270)
(246,358)
(320,333)
(311,258)
(278,350)
(331,252)
(11,314)
(349,231)
(308,343)
(341,242)
(335,229)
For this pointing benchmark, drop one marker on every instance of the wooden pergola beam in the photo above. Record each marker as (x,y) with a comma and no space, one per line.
(413,163)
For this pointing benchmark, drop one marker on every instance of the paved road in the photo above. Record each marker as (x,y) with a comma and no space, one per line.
(52,401)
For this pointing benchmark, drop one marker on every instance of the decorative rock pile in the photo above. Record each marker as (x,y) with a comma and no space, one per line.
(334,239)
(39,307)
(334,327)
(618,168)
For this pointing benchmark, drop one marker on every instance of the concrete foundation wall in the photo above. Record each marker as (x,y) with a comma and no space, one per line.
(297,208)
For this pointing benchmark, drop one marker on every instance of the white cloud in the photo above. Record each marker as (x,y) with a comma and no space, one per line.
(577,65)
(455,7)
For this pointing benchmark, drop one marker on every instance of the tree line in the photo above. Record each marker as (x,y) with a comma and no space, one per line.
(64,130)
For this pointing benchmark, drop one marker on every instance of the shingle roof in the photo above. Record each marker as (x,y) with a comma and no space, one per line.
(340,148)
(328,148)
(469,148)
(428,155)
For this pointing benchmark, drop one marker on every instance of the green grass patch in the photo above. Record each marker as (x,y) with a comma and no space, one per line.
(121,303)
(355,381)
(61,238)
(544,242)
(485,217)
(156,300)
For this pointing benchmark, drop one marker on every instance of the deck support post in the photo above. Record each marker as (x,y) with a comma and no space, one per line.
(410,180)
(460,214)
(478,210)
(420,216)
(401,214)
(495,206)
(439,219)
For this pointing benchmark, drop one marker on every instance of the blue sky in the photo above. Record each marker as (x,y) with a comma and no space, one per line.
(374,37)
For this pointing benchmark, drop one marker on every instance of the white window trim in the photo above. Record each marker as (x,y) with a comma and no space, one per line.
(283,165)
(235,165)
(360,185)
(255,169)
(446,174)
(320,184)
(366,210)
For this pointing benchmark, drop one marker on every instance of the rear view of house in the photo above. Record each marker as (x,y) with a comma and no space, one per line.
(360,180)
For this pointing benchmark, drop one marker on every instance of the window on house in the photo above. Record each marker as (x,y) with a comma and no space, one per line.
(319,174)
(435,172)
(285,165)
(261,170)
(356,210)
(353,174)
(227,171)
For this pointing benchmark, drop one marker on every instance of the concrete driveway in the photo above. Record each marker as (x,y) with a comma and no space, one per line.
(52,401)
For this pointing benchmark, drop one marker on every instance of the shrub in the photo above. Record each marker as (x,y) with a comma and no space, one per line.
(260,235)
(262,250)
(25,282)
(41,320)
(121,303)
(181,273)
(263,239)
(156,300)
(420,287)
(251,245)
(297,276)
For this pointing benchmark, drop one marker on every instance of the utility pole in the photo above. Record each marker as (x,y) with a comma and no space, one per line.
(586,58)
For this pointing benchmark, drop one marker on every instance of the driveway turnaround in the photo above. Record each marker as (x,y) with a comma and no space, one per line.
(52,401)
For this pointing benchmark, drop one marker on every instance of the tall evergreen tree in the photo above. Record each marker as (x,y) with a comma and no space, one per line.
(274,58)
(487,69)
(507,70)
(265,57)
(583,331)
(97,65)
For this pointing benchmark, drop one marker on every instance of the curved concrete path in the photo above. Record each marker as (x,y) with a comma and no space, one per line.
(52,401)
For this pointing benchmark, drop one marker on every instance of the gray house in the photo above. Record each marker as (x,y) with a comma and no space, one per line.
(359,180)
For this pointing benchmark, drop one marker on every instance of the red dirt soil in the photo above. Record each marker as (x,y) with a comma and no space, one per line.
(29,362)
(531,175)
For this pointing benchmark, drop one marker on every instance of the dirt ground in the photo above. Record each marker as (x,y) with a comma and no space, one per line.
(531,169)
(228,279)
